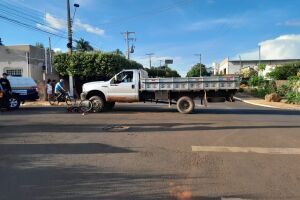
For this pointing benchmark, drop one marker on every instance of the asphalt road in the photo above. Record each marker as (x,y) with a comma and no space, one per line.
(149,151)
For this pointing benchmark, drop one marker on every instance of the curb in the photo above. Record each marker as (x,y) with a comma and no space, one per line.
(262,105)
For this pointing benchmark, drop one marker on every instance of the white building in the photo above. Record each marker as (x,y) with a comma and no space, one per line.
(27,61)
(234,66)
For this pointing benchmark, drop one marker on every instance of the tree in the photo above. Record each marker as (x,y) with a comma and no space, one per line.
(163,71)
(195,71)
(92,65)
(118,52)
(83,45)
(1,43)
(39,45)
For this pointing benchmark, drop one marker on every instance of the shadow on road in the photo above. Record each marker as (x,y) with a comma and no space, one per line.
(24,181)
(136,108)
(103,128)
(62,148)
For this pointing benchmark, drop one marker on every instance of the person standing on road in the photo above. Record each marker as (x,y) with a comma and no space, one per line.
(49,89)
(7,89)
(59,88)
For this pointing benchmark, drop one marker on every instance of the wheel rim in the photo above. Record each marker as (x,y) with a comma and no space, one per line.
(184,105)
(13,102)
(96,105)
(86,106)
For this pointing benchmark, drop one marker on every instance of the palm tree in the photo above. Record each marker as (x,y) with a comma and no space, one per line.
(83,45)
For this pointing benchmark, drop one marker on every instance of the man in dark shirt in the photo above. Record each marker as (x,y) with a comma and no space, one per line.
(7,89)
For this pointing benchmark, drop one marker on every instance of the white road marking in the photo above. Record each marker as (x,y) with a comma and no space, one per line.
(223,198)
(261,150)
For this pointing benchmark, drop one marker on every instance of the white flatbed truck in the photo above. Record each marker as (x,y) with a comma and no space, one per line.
(135,86)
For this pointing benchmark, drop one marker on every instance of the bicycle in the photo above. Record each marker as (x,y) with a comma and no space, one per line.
(63,97)
(85,106)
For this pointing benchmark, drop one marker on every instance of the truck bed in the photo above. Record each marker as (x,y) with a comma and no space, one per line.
(190,83)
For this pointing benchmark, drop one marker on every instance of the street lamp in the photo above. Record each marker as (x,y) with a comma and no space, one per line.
(76,5)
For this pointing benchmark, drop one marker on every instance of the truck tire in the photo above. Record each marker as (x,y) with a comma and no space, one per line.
(185,105)
(109,105)
(14,102)
(98,103)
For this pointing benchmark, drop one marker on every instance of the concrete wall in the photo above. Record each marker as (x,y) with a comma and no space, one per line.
(30,60)
(13,59)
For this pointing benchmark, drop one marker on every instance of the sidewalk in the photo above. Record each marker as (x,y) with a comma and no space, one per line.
(40,103)
(261,102)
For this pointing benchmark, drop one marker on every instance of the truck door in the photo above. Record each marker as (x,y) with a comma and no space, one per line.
(123,88)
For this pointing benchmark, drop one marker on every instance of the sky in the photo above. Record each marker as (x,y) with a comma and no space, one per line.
(171,29)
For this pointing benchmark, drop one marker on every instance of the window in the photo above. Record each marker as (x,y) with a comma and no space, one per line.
(14,72)
(125,77)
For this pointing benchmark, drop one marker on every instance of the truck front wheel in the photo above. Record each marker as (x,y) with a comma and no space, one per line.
(98,103)
(185,105)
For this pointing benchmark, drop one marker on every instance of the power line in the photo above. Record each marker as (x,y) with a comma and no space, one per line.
(20,10)
(32,27)
(32,20)
(29,26)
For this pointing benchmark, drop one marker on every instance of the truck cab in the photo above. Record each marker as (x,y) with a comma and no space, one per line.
(123,87)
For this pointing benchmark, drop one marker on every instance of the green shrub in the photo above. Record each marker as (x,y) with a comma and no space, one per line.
(293,97)
(256,81)
(285,71)
(261,67)
(282,90)
(259,92)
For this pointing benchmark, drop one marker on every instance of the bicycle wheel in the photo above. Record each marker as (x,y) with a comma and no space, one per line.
(52,100)
(85,106)
(68,100)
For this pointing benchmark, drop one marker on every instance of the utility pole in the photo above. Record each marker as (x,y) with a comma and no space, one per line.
(199,54)
(150,56)
(50,55)
(46,60)
(259,54)
(127,42)
(160,63)
(69,45)
(240,63)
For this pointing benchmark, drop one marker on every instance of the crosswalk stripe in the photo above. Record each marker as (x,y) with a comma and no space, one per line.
(260,150)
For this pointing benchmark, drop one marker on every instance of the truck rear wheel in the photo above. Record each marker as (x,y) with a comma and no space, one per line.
(98,103)
(185,105)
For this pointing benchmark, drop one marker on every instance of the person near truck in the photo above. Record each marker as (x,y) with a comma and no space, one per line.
(59,88)
(7,89)
(49,89)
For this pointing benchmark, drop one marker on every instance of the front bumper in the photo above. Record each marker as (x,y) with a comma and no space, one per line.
(83,96)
